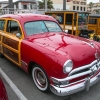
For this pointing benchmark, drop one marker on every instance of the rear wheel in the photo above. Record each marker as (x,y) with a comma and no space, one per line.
(40,78)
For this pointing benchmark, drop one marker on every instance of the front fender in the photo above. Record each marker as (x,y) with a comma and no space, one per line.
(52,62)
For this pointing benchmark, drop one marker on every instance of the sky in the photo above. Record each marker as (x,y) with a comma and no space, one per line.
(94,1)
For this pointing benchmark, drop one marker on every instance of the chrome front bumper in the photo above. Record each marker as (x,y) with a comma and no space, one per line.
(75,87)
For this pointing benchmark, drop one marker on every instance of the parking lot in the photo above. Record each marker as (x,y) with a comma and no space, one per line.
(26,88)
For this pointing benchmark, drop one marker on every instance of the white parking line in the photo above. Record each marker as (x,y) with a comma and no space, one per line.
(13,86)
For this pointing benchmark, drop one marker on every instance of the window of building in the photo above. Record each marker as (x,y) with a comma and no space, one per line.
(92,21)
(84,8)
(73,7)
(31,7)
(16,6)
(74,2)
(77,7)
(83,3)
(81,8)
(24,6)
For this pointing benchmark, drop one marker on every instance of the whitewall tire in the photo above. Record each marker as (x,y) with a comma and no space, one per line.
(40,78)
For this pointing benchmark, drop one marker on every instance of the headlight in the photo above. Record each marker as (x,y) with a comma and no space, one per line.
(68,65)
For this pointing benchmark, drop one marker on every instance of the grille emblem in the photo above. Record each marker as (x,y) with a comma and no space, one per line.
(94,69)
(97,56)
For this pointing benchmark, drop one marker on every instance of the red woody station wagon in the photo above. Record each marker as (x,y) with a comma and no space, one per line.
(60,62)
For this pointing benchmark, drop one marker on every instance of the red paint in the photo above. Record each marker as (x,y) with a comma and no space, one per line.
(3,93)
(52,50)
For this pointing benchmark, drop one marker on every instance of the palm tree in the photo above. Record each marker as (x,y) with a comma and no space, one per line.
(42,4)
(97,10)
(91,4)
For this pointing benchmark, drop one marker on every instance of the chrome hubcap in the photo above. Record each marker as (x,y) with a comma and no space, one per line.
(40,78)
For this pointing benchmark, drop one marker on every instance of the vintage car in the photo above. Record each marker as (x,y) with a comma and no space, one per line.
(3,92)
(57,61)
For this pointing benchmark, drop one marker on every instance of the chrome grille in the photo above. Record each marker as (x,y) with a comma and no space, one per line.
(85,68)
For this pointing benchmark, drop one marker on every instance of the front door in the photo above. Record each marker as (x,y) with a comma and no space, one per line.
(11,43)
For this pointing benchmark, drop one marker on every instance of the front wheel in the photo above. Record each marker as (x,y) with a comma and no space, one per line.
(40,78)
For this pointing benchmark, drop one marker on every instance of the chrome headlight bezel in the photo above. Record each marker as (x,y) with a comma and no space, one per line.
(68,66)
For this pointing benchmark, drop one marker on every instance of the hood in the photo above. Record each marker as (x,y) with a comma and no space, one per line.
(80,49)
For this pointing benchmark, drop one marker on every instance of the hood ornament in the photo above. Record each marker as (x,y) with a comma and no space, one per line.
(90,44)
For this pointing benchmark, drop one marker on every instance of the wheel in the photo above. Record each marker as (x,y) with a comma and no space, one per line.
(1,55)
(40,79)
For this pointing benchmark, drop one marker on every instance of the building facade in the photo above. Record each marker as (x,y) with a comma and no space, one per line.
(21,4)
(3,4)
(95,8)
(25,4)
(80,5)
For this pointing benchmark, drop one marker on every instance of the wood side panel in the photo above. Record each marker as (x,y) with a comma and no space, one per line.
(10,42)
(11,54)
(92,27)
(0,37)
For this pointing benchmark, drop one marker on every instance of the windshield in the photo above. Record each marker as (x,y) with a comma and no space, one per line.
(37,27)
(82,19)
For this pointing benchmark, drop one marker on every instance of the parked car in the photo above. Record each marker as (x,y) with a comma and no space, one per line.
(60,62)
(3,92)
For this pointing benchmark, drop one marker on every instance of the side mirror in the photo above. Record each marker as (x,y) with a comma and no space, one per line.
(18,35)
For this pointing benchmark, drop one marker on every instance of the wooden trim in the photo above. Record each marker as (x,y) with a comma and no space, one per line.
(11,54)
(10,42)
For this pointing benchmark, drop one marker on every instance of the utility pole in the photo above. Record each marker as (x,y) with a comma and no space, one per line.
(64,4)
(45,5)
(11,7)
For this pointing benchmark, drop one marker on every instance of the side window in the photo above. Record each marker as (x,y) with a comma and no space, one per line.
(69,18)
(13,27)
(2,23)
(92,21)
(58,16)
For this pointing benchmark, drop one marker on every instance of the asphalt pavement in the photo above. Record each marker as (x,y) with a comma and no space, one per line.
(24,83)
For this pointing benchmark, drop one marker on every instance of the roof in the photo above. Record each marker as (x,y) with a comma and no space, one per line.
(25,1)
(69,11)
(3,2)
(27,17)
(95,15)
